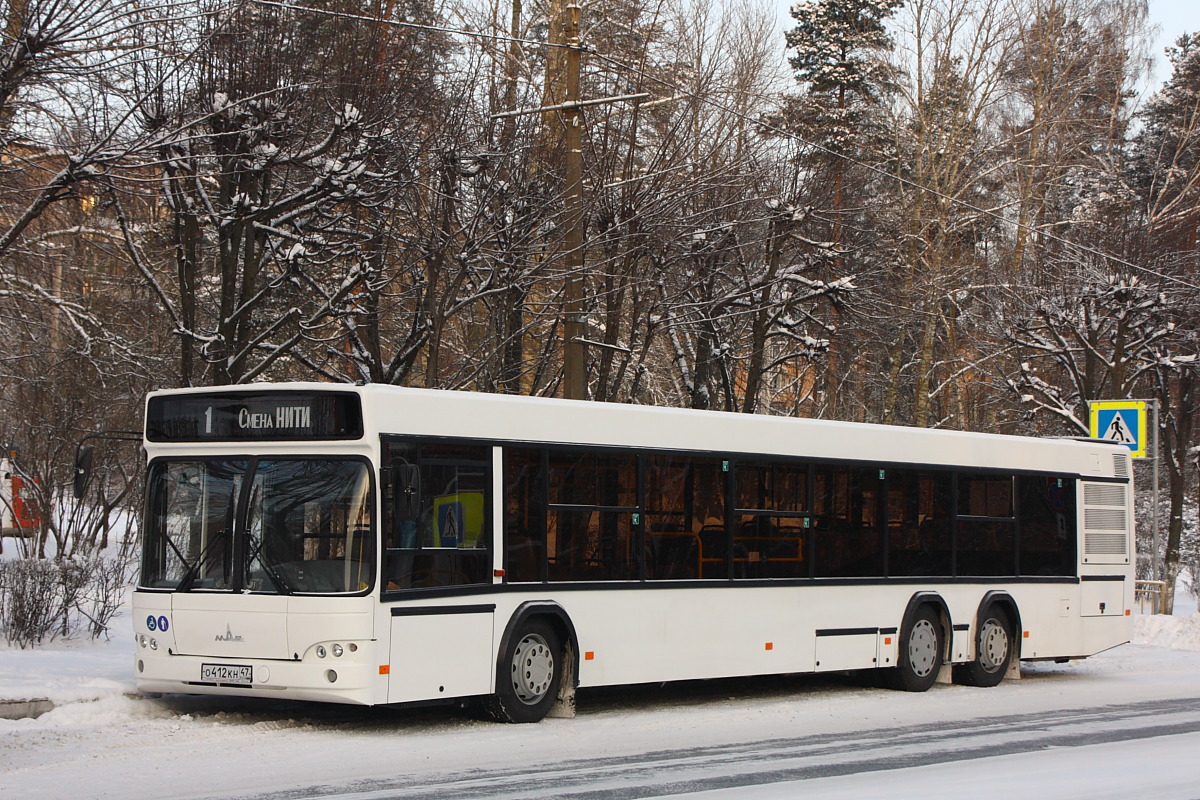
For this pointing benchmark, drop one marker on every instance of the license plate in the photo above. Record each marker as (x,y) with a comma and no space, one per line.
(237,674)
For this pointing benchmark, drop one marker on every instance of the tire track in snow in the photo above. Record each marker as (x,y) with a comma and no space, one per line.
(680,772)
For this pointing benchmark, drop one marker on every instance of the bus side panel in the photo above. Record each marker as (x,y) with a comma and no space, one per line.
(848,650)
(682,633)
(678,633)
(440,656)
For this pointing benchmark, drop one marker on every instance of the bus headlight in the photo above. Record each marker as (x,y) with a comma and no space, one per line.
(154,644)
(320,651)
(336,650)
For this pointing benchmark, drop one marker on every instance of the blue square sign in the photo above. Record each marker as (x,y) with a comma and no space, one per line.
(1121,421)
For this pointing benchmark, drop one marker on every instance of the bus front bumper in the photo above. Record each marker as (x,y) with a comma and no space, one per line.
(329,680)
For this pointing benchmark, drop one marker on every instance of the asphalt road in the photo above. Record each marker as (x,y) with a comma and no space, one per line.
(681,772)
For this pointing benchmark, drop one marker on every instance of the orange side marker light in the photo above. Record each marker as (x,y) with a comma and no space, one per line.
(589,656)
(887,640)
(1026,634)
(770,645)
(385,669)
(1127,612)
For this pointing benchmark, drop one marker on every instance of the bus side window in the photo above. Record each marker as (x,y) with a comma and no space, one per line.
(771,526)
(1047,523)
(985,531)
(919,522)
(524,515)
(437,530)
(850,518)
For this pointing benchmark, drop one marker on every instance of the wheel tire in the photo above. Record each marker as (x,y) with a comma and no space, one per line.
(920,657)
(528,674)
(994,644)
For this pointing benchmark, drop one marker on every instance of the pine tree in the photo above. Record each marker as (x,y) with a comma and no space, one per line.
(1168,154)
(836,50)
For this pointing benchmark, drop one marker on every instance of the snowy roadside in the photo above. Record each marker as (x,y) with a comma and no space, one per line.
(35,681)
(73,671)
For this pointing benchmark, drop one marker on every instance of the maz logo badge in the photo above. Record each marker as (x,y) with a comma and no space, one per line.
(228,637)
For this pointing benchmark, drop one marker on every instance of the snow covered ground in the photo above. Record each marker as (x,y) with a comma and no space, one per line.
(102,742)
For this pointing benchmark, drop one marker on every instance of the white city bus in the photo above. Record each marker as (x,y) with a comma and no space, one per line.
(374,544)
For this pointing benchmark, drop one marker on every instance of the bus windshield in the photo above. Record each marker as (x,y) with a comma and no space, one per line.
(278,525)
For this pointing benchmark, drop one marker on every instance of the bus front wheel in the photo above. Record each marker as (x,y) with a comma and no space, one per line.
(528,674)
(920,653)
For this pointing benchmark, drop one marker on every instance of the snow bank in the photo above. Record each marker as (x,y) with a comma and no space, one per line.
(1174,633)
(70,671)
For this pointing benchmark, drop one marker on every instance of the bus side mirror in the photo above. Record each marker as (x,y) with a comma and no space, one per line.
(408,492)
(83,469)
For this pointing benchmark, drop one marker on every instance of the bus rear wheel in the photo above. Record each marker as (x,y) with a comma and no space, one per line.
(993,651)
(920,653)
(528,674)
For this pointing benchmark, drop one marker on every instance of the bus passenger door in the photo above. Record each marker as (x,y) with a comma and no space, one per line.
(440,651)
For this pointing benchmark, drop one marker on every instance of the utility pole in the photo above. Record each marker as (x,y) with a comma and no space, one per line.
(574,325)
(575,340)
(1157,574)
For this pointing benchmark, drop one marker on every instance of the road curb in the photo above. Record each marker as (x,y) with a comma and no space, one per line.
(25,709)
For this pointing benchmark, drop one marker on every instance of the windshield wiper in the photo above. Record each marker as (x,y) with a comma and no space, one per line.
(193,571)
(281,585)
(182,558)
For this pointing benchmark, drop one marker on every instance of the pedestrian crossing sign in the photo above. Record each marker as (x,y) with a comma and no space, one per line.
(1121,421)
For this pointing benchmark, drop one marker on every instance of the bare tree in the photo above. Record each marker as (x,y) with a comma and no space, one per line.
(1073,69)
(1096,338)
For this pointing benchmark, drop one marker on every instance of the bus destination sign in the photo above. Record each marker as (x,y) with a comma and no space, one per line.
(257,416)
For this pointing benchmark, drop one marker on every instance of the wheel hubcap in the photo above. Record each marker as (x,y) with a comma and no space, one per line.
(922,648)
(532,669)
(993,646)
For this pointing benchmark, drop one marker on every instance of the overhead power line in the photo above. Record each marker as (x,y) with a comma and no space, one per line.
(680,91)
(898,178)
(401,24)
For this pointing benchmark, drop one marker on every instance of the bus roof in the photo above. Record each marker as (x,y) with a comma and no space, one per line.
(539,420)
